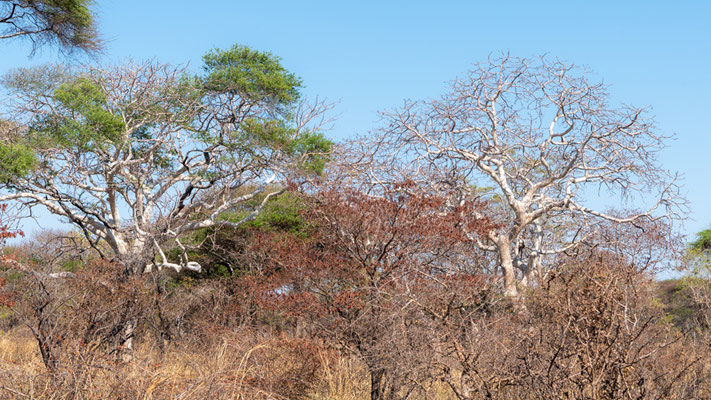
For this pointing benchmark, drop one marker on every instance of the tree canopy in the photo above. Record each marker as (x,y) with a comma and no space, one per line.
(69,24)
(169,148)
(703,240)
(537,133)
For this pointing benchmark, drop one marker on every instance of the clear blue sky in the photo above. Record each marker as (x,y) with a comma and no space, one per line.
(373,55)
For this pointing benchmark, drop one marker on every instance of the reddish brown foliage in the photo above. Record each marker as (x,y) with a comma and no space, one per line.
(6,232)
(356,278)
(6,297)
(361,245)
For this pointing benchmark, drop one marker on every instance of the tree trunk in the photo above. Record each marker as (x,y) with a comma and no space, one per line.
(134,264)
(377,384)
(507,267)
(48,349)
(129,336)
(533,269)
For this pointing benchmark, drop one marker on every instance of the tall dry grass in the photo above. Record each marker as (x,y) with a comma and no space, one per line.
(592,331)
(272,368)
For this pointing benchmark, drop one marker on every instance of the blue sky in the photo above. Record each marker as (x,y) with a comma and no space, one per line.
(371,56)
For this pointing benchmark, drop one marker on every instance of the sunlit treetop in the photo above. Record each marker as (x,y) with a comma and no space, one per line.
(703,241)
(173,148)
(253,75)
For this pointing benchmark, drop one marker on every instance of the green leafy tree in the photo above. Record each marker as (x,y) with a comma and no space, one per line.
(703,241)
(140,156)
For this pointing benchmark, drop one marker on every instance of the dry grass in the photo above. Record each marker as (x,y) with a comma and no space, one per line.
(19,350)
(273,368)
(587,320)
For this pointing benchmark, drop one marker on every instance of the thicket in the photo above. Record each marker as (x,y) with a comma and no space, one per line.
(336,294)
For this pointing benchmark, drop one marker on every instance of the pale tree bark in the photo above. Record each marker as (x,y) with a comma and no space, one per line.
(139,156)
(507,266)
(182,157)
(530,137)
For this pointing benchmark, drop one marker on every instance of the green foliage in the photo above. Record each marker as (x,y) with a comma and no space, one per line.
(224,252)
(85,120)
(254,75)
(703,241)
(16,161)
(141,143)
(313,148)
(283,213)
(69,23)
(81,118)
(259,77)
(273,133)
(72,265)
(675,298)
(75,16)
(310,148)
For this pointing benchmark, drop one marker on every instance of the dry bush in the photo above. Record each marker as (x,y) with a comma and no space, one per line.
(379,300)
(595,333)
(691,299)
(350,282)
(78,319)
(190,344)
(241,365)
(592,331)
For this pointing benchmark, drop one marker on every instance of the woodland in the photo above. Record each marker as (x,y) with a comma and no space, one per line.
(222,246)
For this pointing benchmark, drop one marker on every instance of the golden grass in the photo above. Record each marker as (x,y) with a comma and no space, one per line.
(16,349)
(229,369)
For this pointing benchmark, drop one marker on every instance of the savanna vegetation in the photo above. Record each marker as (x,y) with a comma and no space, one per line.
(223,247)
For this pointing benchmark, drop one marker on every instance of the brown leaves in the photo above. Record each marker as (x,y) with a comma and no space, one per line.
(359,274)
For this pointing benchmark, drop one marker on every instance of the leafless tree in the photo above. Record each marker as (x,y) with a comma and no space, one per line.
(537,137)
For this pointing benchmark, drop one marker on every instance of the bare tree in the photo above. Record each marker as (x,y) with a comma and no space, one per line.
(537,138)
(137,156)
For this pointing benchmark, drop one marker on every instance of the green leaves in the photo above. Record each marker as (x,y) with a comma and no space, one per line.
(75,20)
(313,149)
(258,78)
(16,161)
(310,148)
(703,241)
(68,24)
(83,120)
(271,132)
(254,75)
(282,213)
